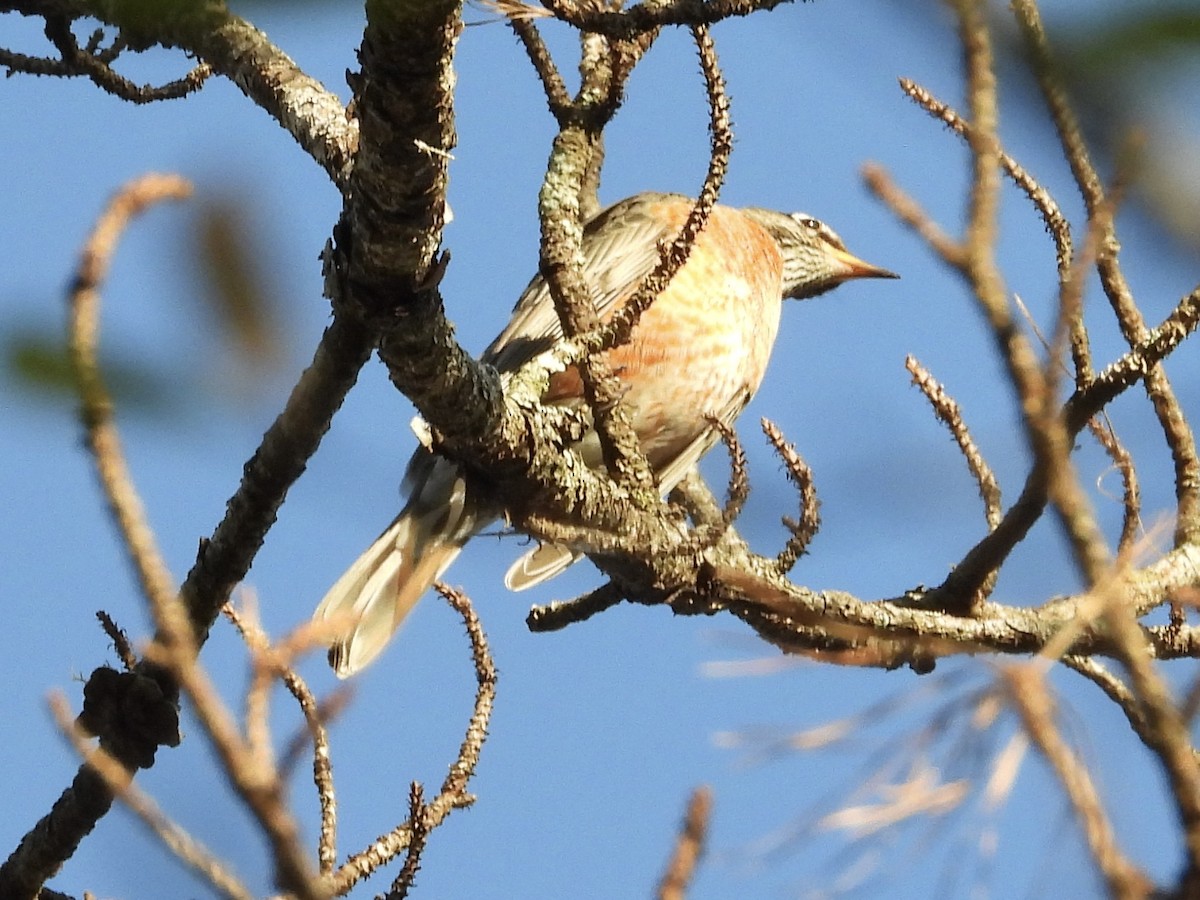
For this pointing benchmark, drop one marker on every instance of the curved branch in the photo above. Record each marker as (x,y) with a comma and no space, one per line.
(96,65)
(453,794)
(157,584)
(54,838)
(228,44)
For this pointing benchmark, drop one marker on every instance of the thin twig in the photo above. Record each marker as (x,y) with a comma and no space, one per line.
(804,529)
(1131,496)
(1056,223)
(419,828)
(453,793)
(560,614)
(1044,429)
(543,64)
(277,662)
(910,212)
(1029,695)
(119,639)
(1114,688)
(738,489)
(689,847)
(1100,425)
(948,413)
(95,65)
(1138,363)
(248,764)
(1167,733)
(991,551)
(1174,425)
(674,255)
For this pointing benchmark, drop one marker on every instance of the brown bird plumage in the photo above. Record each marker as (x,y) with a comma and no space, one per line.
(700,350)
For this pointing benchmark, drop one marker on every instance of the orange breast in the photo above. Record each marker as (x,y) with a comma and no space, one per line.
(703,345)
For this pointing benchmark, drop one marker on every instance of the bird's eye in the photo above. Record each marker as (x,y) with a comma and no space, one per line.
(811,224)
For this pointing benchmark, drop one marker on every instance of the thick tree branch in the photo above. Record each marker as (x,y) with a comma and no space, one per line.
(280,459)
(309,112)
(800,619)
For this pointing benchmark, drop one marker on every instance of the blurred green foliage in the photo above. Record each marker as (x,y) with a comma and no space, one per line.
(36,363)
(1132,39)
(228,253)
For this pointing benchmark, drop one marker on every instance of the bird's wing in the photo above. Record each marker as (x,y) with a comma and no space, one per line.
(620,248)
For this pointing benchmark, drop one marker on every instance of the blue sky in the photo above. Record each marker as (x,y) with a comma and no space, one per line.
(600,731)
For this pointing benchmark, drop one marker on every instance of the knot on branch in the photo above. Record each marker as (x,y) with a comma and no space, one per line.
(131,713)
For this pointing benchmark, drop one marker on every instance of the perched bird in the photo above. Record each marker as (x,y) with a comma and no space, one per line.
(700,350)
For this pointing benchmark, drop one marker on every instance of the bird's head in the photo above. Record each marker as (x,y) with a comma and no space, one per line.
(815,259)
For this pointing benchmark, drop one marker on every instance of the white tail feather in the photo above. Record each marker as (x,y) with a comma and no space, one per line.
(540,564)
(371,600)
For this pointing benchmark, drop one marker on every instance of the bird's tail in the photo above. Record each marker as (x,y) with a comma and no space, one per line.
(370,601)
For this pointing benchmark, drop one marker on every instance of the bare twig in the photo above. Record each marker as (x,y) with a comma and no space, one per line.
(453,794)
(739,475)
(419,827)
(277,662)
(1056,223)
(539,55)
(119,639)
(689,847)
(1174,425)
(1114,688)
(1101,427)
(94,64)
(1131,500)
(672,258)
(908,211)
(248,764)
(1138,363)
(1028,694)
(1166,733)
(804,529)
(1045,432)
(89,798)
(560,614)
(986,556)
(949,414)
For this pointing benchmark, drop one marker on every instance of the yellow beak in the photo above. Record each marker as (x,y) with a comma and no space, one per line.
(853,267)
